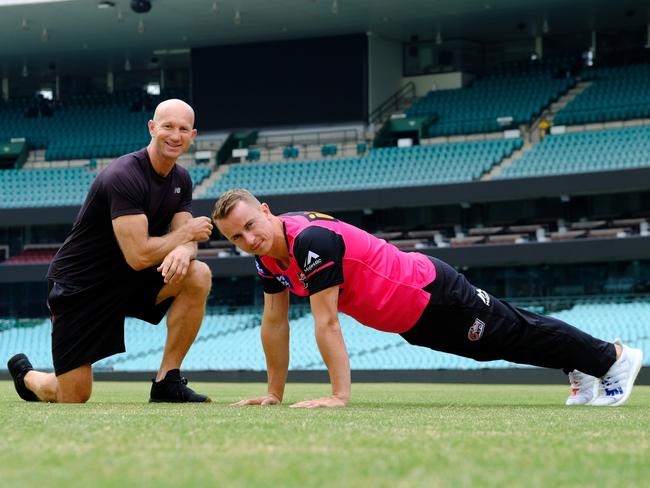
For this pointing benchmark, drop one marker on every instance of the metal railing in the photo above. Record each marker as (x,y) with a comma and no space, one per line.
(393,103)
(304,138)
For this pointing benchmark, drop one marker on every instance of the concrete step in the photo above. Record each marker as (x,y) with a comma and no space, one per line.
(210,180)
(517,154)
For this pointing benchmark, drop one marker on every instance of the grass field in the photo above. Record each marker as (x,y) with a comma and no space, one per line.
(405,435)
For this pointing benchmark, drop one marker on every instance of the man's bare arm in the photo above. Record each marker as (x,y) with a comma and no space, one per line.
(324,307)
(142,251)
(275,340)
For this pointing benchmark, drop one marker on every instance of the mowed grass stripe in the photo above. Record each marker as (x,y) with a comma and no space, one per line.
(392,435)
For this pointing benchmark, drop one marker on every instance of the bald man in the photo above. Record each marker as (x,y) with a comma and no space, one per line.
(131,252)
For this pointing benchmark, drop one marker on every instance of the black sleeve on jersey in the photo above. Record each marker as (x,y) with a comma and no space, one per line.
(269,283)
(319,253)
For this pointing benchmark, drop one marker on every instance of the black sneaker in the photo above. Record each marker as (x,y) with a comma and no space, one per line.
(173,388)
(18,367)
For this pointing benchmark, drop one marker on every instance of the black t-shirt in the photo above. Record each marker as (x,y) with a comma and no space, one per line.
(128,186)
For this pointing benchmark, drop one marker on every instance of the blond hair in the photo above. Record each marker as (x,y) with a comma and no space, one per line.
(229,199)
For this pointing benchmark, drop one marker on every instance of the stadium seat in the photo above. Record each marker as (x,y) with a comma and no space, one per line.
(379,168)
(230,341)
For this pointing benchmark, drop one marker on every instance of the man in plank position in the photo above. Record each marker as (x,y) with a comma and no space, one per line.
(343,268)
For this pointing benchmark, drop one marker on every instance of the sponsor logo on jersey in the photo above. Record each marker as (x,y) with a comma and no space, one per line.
(312,262)
(311,256)
(284,279)
(319,216)
(476,330)
(259,269)
(485,298)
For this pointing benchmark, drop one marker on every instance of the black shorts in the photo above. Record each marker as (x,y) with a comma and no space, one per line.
(464,320)
(88,323)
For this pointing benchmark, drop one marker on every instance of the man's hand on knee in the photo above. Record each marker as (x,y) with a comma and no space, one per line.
(175,265)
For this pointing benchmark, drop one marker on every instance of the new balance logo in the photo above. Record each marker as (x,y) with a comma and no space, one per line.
(613,392)
(177,189)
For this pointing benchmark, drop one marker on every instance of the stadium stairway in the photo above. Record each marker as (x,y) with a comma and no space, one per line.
(498,96)
(517,154)
(563,101)
(617,93)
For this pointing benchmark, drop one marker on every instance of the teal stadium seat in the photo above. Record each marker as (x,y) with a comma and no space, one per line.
(517,90)
(84,127)
(230,341)
(619,93)
(580,152)
(379,168)
(44,187)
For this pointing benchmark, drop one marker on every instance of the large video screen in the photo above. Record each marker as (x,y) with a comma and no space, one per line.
(280,83)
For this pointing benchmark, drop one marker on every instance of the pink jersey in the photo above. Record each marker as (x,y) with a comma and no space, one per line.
(380,286)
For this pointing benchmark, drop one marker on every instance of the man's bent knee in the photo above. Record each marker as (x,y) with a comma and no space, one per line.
(199,277)
(75,386)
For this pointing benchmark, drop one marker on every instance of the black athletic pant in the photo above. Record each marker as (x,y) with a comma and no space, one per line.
(469,322)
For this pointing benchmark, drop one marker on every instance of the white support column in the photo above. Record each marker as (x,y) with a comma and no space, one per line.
(539,47)
(593,43)
(110,82)
(5,88)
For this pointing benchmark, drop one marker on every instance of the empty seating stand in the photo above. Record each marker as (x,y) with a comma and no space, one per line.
(44,187)
(57,186)
(381,168)
(515,92)
(580,152)
(618,93)
(229,340)
(98,125)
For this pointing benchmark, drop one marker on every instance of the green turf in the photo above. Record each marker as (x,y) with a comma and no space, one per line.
(390,436)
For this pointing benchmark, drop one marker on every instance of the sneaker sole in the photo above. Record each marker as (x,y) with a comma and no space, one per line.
(594,393)
(636,367)
(637,361)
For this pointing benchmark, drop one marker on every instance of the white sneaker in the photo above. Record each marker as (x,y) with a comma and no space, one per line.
(584,388)
(616,386)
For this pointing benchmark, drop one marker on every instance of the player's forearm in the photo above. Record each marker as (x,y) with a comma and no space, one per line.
(192,248)
(156,248)
(275,341)
(332,348)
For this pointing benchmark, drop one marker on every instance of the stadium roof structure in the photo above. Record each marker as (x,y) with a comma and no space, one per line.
(75,34)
